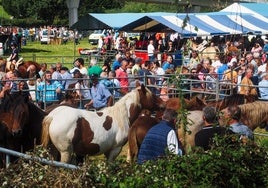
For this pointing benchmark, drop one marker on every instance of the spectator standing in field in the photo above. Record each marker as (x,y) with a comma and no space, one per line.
(194,60)
(80,64)
(158,72)
(137,66)
(263,86)
(42,70)
(116,90)
(100,95)
(106,67)
(94,68)
(14,56)
(82,92)
(160,50)
(66,77)
(204,137)
(56,75)
(122,76)
(161,139)
(117,62)
(247,86)
(168,66)
(48,91)
(151,50)
(252,63)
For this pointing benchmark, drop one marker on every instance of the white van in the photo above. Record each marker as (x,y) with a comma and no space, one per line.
(94,37)
(45,36)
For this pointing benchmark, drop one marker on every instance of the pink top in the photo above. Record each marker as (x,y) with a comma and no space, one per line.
(122,76)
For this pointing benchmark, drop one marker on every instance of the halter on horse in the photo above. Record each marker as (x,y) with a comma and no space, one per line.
(93,133)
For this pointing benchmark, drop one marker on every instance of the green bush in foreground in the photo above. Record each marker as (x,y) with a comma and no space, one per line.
(225,165)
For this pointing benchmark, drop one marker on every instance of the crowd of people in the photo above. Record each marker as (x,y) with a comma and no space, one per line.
(97,85)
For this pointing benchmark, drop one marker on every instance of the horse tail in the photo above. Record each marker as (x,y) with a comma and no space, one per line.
(132,144)
(45,131)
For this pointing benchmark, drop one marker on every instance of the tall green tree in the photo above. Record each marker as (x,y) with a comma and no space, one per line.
(45,10)
(49,10)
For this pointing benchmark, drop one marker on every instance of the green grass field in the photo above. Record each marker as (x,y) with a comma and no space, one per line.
(52,53)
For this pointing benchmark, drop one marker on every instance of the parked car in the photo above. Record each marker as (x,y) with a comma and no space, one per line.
(94,37)
(45,36)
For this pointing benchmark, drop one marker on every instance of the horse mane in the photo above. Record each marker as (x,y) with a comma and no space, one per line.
(236,99)
(118,110)
(254,114)
(11,100)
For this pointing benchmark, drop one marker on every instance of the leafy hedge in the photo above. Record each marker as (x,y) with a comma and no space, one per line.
(225,165)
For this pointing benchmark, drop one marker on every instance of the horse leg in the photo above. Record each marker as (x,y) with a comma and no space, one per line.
(112,154)
(65,156)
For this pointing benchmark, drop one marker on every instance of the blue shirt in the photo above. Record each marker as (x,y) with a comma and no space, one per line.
(241,130)
(116,65)
(221,70)
(167,65)
(263,89)
(99,95)
(47,92)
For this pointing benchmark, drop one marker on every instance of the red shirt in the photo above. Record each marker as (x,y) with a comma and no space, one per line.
(123,78)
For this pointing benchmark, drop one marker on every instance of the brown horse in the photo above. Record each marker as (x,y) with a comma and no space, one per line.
(232,100)
(21,123)
(193,104)
(27,69)
(137,132)
(24,71)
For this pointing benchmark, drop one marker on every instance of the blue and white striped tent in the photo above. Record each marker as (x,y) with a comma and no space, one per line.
(202,24)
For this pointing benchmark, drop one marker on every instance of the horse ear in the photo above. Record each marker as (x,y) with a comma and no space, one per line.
(200,101)
(137,83)
(143,89)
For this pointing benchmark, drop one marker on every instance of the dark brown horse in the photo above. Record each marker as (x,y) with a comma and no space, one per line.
(21,123)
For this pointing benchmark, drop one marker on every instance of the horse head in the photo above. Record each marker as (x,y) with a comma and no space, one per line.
(149,100)
(14,113)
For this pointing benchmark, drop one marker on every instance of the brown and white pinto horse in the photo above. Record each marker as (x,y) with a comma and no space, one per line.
(93,133)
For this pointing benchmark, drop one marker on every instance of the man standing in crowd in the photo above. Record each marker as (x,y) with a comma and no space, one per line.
(151,50)
(48,91)
(160,139)
(122,76)
(100,95)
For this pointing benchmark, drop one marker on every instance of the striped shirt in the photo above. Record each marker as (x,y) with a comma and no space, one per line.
(47,92)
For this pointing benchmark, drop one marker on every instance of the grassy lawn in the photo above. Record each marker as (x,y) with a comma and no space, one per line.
(65,53)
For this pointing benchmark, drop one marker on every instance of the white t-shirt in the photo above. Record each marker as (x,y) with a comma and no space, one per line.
(150,50)
(173,144)
(83,89)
